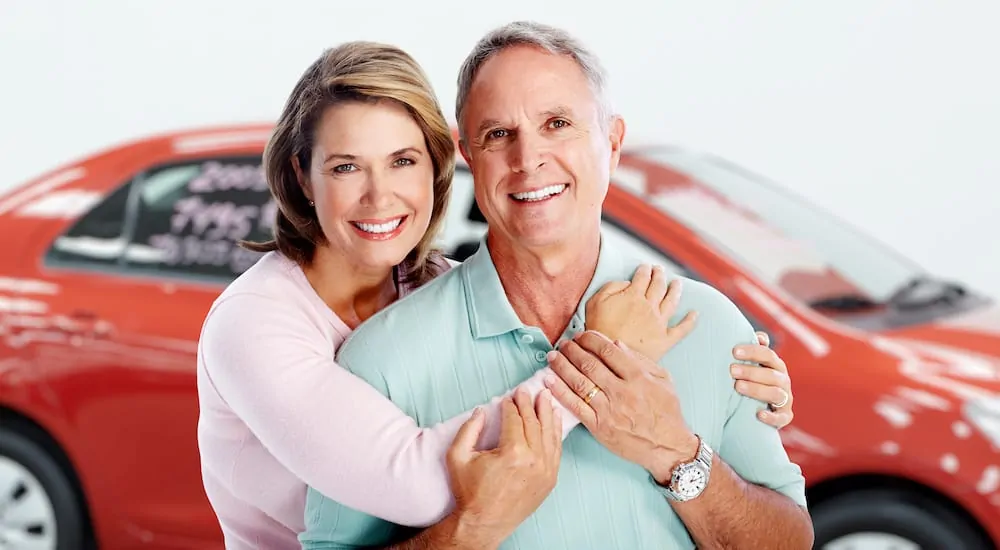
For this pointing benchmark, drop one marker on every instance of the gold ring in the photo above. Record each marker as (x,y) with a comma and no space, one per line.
(590,395)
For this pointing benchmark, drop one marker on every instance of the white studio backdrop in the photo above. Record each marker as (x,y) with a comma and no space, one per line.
(885,113)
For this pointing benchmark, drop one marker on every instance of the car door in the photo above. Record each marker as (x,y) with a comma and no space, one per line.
(146,265)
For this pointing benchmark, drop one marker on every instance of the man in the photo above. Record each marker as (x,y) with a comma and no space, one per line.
(672,456)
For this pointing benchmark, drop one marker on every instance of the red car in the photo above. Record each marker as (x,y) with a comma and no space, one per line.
(116,258)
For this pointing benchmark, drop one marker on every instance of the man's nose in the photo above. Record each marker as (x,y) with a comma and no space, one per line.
(528,153)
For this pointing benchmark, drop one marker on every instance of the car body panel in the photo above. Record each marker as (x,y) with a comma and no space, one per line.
(103,357)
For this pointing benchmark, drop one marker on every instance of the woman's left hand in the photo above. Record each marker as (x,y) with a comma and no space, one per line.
(770,384)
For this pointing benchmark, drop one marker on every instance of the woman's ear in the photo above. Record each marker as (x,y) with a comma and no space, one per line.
(302,179)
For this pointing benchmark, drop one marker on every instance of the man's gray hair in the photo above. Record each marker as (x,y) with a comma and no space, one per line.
(528,33)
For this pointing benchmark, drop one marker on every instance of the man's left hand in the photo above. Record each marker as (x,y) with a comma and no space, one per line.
(626,401)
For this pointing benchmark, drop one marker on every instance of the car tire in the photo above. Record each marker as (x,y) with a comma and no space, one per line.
(42,489)
(906,515)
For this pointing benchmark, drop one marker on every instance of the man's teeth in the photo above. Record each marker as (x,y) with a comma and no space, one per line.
(379,227)
(540,194)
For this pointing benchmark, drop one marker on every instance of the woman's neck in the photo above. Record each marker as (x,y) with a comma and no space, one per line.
(351,291)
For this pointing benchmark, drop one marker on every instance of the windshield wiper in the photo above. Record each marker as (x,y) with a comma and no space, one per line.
(844,302)
(923,291)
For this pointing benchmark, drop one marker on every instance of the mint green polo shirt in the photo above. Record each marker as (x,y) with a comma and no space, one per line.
(456,343)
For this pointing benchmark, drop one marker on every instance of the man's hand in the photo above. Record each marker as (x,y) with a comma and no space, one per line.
(638,312)
(626,401)
(496,490)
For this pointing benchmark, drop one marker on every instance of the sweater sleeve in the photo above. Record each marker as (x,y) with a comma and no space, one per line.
(275,370)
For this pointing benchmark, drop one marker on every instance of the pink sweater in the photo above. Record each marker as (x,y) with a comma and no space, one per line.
(277,413)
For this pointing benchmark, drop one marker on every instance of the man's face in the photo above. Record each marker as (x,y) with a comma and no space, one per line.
(540,156)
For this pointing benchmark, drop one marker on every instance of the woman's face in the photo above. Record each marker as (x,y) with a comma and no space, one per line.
(372,180)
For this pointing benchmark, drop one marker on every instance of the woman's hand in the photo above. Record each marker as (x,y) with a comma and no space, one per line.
(637,312)
(769,382)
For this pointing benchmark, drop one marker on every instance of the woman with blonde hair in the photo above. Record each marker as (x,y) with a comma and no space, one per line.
(360,165)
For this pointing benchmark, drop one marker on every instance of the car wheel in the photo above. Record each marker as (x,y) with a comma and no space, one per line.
(890,520)
(38,507)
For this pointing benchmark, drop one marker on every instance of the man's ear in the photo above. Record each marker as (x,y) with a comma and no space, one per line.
(302,179)
(616,136)
(464,149)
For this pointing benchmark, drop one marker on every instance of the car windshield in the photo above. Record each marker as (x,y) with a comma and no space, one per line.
(788,242)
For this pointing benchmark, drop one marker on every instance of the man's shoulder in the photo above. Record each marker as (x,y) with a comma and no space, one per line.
(423,312)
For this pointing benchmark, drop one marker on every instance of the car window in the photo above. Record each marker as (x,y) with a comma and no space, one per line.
(189,218)
(177,220)
(99,236)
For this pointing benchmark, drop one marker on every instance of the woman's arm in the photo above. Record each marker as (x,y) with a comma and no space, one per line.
(276,371)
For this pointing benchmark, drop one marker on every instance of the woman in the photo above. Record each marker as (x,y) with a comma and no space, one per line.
(360,165)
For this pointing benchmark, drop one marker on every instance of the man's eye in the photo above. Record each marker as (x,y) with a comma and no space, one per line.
(559,123)
(496,134)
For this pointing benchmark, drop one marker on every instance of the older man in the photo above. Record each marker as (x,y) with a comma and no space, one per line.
(672,456)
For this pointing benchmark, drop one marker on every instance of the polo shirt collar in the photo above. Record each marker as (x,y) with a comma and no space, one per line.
(490,312)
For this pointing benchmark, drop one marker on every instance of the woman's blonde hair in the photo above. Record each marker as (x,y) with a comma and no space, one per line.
(354,71)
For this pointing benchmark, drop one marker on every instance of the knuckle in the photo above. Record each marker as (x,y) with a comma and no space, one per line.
(607,351)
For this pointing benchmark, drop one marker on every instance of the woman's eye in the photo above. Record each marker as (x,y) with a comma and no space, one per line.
(343,168)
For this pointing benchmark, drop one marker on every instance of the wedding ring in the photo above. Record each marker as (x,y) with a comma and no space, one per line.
(590,395)
(783,401)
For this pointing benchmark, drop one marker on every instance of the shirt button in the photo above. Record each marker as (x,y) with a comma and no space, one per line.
(527,338)
(540,356)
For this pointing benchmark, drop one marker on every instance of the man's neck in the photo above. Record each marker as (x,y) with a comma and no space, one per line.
(546,286)
(353,293)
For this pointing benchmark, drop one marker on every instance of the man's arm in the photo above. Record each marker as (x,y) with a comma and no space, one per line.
(636,415)
(731,513)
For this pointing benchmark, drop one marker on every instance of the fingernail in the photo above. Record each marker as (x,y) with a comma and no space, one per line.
(550,380)
(736,370)
(551,356)
(740,352)
(476,412)
(763,415)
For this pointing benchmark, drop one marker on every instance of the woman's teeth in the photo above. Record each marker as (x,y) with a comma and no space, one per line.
(378,227)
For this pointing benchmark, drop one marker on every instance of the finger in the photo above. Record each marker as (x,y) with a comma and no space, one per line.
(570,374)
(612,288)
(761,375)
(550,421)
(625,365)
(511,427)
(673,297)
(589,365)
(573,402)
(683,328)
(657,289)
(760,392)
(464,445)
(640,279)
(529,419)
(778,419)
(756,353)
(763,339)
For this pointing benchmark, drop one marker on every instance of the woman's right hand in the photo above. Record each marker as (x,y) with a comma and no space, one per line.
(497,489)
(637,312)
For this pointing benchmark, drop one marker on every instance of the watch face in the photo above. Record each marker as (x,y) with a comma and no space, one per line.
(691,482)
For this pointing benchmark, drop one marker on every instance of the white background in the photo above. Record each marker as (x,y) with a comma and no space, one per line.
(886,113)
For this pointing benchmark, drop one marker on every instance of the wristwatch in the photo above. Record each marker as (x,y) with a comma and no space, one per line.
(689,479)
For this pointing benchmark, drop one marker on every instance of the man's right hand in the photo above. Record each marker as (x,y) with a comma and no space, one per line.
(496,490)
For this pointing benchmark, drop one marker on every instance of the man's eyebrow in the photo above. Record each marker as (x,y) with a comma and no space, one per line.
(487,124)
(560,111)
